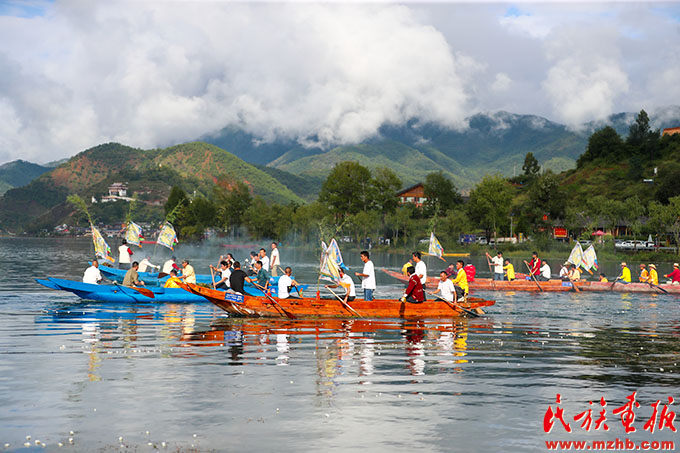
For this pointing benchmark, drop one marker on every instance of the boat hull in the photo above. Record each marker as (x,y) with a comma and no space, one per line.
(333,308)
(152,279)
(117,293)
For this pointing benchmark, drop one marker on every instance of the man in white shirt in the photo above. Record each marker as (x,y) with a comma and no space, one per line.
(545,272)
(124,255)
(497,262)
(146,266)
(275,261)
(92,274)
(265,259)
(224,272)
(564,271)
(170,265)
(445,287)
(367,276)
(286,284)
(347,283)
(421,269)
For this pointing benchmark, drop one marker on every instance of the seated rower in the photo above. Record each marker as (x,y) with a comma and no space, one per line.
(224,272)
(173,280)
(509,271)
(545,272)
(132,277)
(574,273)
(286,284)
(603,278)
(644,274)
(414,291)
(460,282)
(92,274)
(653,275)
(446,288)
(237,278)
(262,279)
(347,283)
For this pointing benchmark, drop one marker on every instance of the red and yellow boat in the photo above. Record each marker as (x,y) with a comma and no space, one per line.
(308,307)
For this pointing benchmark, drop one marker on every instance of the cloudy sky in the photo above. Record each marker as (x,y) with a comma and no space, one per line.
(74,74)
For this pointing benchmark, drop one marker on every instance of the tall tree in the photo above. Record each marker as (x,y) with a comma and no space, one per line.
(641,137)
(441,193)
(348,189)
(530,167)
(232,202)
(386,183)
(604,143)
(547,200)
(490,202)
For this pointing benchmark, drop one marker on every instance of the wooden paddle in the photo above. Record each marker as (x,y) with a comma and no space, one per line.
(454,305)
(345,304)
(285,312)
(493,281)
(533,276)
(142,291)
(212,274)
(657,287)
(162,275)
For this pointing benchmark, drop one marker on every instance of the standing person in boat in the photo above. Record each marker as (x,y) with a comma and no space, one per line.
(445,289)
(170,265)
(132,277)
(624,277)
(414,293)
(367,275)
(275,261)
(564,271)
(173,281)
(675,275)
(264,259)
(653,275)
(146,266)
(509,271)
(644,274)
(224,272)
(534,265)
(470,271)
(92,274)
(237,279)
(545,272)
(188,273)
(460,282)
(421,270)
(287,284)
(574,274)
(124,255)
(497,262)
(262,279)
(405,267)
(347,283)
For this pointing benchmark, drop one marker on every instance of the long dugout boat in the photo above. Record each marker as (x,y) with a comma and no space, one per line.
(487,284)
(310,307)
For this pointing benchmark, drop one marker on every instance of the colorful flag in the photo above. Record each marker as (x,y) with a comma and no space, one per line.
(167,236)
(435,248)
(133,234)
(101,248)
(590,259)
(576,255)
(331,261)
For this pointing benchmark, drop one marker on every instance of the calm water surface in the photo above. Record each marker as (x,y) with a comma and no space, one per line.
(184,377)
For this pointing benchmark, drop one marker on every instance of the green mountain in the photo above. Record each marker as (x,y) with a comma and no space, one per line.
(196,167)
(19,173)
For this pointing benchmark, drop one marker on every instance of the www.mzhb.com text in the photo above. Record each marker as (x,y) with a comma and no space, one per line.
(617,444)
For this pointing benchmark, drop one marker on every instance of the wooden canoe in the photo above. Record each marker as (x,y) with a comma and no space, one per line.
(333,308)
(487,284)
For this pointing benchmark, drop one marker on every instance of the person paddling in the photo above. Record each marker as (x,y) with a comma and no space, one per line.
(347,283)
(173,281)
(460,282)
(624,277)
(132,277)
(414,292)
(644,274)
(445,289)
(653,275)
(92,274)
(237,279)
(534,265)
(675,275)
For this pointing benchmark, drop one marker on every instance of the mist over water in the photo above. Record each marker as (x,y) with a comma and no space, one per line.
(106,371)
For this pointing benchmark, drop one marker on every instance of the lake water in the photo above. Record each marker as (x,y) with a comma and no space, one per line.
(184,377)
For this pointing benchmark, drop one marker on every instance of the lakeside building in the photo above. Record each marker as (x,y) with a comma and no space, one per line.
(117,191)
(414,194)
(671,131)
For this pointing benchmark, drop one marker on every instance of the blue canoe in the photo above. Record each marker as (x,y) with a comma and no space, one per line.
(151,278)
(118,293)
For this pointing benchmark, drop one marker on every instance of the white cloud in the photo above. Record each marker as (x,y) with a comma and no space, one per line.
(502,82)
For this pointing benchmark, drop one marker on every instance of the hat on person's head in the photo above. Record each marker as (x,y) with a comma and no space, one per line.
(623,263)
(566,263)
(652,266)
(643,264)
(676,265)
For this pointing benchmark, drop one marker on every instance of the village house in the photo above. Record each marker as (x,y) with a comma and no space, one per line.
(414,194)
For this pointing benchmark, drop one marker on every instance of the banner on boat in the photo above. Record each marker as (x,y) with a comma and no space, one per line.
(435,248)
(167,237)
(101,248)
(133,234)
(587,260)
(331,261)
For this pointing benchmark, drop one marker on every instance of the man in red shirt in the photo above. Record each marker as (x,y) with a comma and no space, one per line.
(414,291)
(534,265)
(470,271)
(675,275)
